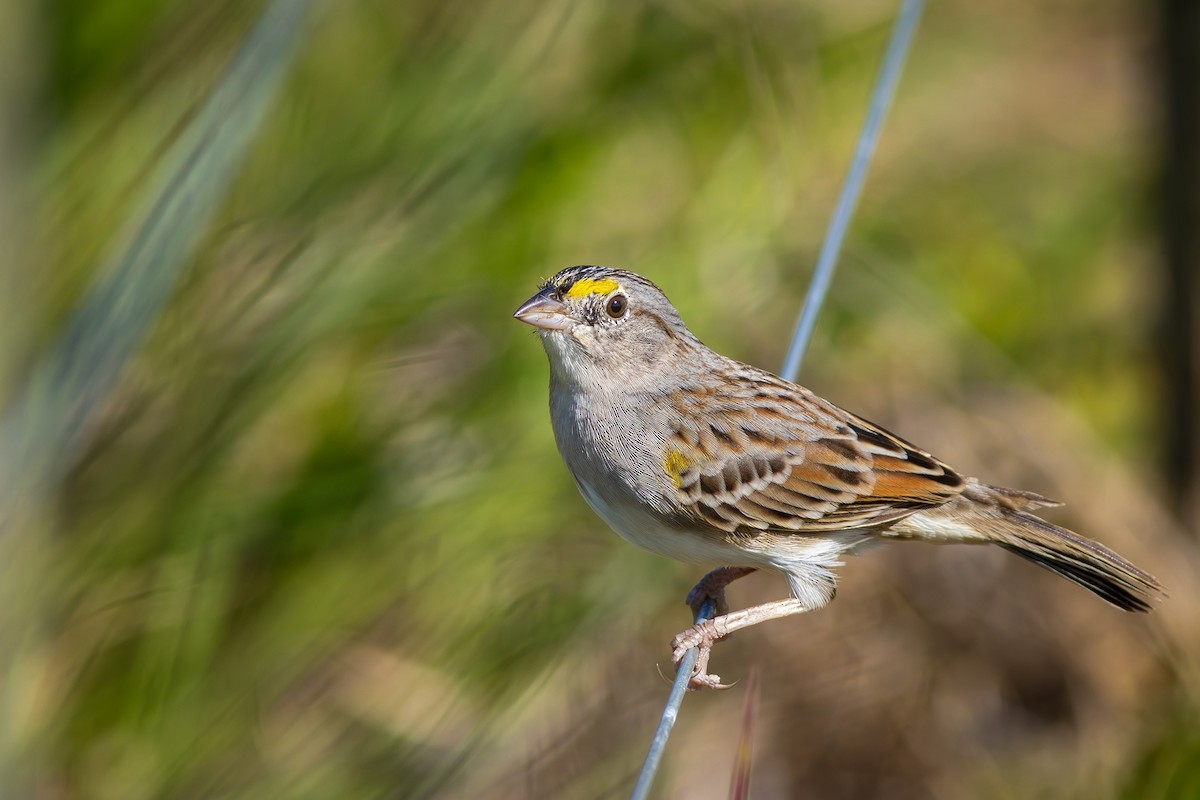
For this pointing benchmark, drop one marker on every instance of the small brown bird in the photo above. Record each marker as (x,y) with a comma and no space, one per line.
(693,455)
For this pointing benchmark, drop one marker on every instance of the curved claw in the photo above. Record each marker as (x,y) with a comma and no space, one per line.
(701,636)
(708,681)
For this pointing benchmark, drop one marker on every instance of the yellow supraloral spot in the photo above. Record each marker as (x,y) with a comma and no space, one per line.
(585,286)
(675,464)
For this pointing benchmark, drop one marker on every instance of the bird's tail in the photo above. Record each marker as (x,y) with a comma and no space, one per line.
(1006,521)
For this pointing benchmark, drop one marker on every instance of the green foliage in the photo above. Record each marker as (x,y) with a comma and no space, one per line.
(1169,768)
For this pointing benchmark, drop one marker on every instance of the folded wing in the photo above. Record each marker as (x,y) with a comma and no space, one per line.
(776,457)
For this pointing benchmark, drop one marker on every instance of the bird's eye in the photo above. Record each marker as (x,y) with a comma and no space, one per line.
(616,306)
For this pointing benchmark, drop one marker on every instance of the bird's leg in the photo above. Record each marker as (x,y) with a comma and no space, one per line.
(713,585)
(704,634)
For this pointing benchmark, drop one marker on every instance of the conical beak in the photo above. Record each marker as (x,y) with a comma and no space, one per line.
(545,311)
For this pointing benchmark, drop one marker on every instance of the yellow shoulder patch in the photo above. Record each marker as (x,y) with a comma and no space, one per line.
(675,464)
(585,286)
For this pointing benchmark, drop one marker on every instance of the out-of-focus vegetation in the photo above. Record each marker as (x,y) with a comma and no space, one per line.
(319,543)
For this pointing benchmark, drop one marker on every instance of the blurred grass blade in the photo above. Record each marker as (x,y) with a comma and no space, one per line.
(49,416)
(739,784)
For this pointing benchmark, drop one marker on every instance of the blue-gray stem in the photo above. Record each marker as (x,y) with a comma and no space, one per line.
(881,98)
(683,674)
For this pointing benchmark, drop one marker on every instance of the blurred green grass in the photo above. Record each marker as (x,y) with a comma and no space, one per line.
(320,544)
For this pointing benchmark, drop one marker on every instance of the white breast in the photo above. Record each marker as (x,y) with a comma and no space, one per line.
(644,529)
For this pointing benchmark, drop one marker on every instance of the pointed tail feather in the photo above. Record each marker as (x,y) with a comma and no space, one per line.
(1079,559)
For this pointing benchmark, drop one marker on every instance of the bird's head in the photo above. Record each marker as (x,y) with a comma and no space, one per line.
(599,320)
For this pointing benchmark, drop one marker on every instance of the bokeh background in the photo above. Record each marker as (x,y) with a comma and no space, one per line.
(315,541)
